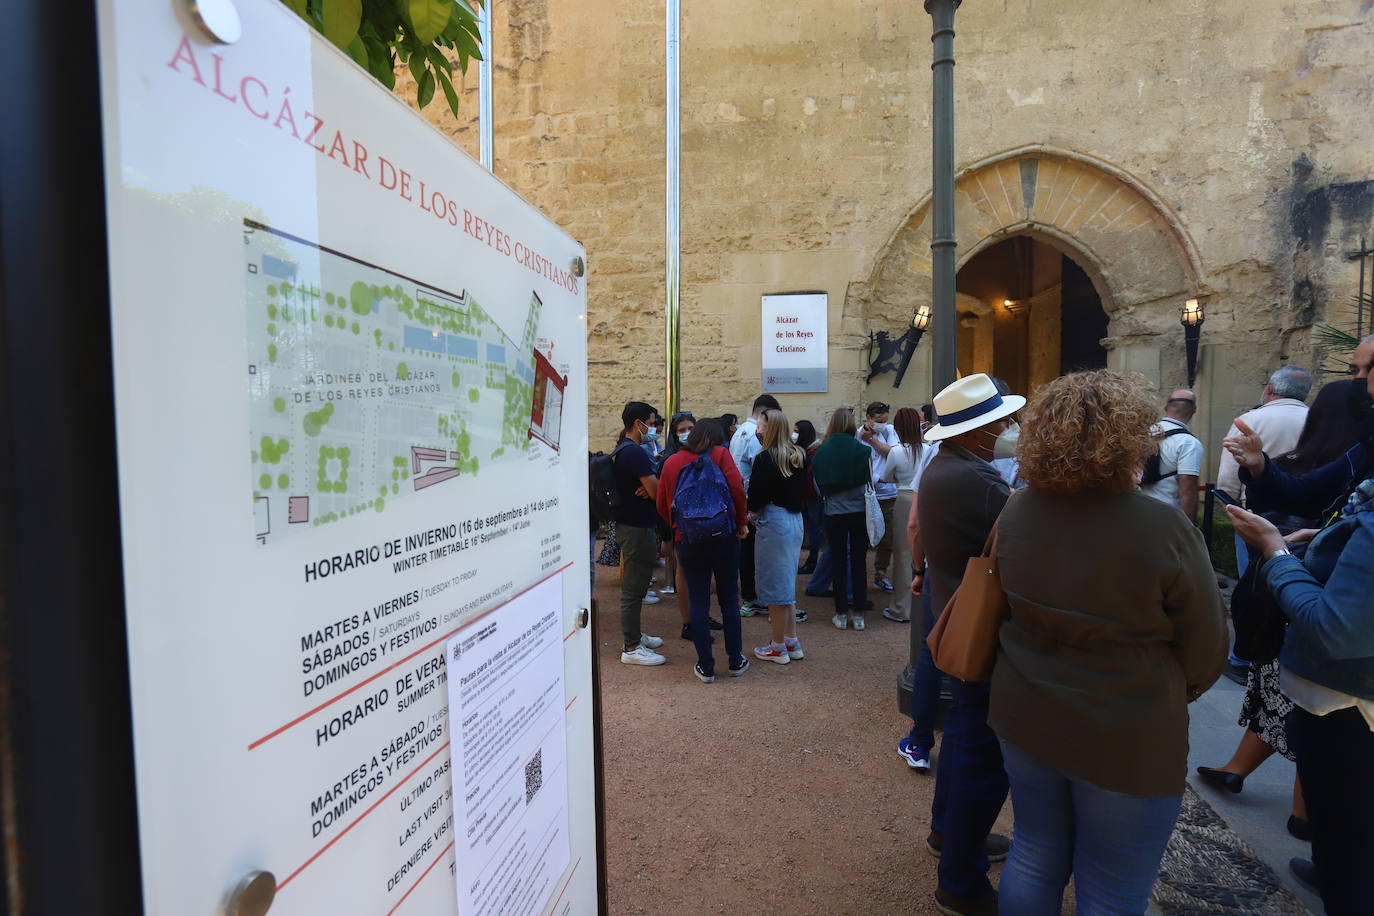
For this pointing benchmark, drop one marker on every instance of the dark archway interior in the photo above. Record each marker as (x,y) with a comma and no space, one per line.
(1082,321)
(1028,313)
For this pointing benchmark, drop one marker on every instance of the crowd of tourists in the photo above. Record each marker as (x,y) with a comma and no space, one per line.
(1108,621)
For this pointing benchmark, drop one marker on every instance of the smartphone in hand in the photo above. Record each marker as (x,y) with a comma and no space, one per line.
(1224,498)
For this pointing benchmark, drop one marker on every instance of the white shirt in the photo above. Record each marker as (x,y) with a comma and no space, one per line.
(1009,468)
(744,445)
(878,463)
(1322,701)
(1179,454)
(1278,423)
(928,453)
(903,463)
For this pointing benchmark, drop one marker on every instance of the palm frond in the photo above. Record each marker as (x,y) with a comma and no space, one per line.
(1334,338)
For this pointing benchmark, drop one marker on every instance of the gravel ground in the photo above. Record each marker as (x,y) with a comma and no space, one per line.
(777,792)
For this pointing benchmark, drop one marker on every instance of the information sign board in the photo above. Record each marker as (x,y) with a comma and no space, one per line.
(795,342)
(348,366)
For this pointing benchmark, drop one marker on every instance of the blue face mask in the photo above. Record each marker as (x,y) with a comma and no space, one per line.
(682,437)
(651,435)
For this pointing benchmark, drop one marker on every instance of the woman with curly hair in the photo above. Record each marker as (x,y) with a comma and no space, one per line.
(1116,625)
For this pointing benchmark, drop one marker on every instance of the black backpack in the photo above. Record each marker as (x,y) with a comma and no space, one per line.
(1152,474)
(605,491)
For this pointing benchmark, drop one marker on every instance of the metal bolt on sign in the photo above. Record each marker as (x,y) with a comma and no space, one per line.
(584,617)
(218,19)
(253,895)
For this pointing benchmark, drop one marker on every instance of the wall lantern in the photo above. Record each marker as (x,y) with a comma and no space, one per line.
(1191,319)
(894,354)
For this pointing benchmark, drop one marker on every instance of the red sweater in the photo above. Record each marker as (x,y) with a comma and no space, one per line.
(667,484)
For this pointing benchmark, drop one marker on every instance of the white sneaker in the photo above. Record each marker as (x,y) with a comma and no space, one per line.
(858,621)
(795,652)
(667,590)
(650,599)
(772,653)
(649,642)
(641,656)
(840,621)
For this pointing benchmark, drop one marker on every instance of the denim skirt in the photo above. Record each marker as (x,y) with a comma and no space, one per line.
(777,551)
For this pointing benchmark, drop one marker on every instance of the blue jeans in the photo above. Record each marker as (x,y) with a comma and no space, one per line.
(925,684)
(811,516)
(970,788)
(847,535)
(1109,842)
(718,557)
(820,579)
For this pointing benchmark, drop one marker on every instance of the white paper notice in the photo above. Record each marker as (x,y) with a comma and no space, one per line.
(510,775)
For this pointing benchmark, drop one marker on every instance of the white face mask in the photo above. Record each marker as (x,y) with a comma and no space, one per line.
(1005,446)
(796,436)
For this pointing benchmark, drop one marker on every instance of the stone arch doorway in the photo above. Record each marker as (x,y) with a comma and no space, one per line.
(1117,234)
(1028,312)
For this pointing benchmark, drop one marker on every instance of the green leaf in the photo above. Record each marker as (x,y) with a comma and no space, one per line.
(464,22)
(449,94)
(341,20)
(466,48)
(437,58)
(299,7)
(380,63)
(358,51)
(428,18)
(426,89)
(417,67)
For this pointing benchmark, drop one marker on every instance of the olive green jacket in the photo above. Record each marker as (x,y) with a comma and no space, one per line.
(1116,626)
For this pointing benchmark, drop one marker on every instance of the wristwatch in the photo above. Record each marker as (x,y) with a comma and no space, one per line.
(1281,552)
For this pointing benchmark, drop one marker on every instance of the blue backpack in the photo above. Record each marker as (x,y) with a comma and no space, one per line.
(702,505)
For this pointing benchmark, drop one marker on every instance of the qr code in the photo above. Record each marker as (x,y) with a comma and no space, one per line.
(534,775)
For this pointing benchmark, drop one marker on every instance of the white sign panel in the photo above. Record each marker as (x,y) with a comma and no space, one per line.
(510,775)
(795,342)
(350,384)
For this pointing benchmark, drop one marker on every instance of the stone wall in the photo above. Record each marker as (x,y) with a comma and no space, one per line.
(806,152)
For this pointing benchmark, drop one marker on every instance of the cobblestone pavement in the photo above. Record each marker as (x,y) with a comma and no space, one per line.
(1209,869)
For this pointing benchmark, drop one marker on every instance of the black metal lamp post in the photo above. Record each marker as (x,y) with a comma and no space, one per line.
(1191,319)
(942,243)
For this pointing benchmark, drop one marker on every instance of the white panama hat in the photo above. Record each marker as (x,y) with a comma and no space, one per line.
(969,403)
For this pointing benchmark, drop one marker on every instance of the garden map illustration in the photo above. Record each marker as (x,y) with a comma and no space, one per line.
(367,386)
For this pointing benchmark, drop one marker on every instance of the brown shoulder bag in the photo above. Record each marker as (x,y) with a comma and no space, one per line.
(963,642)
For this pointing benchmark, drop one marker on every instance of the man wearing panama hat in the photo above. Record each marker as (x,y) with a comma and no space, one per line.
(961,496)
